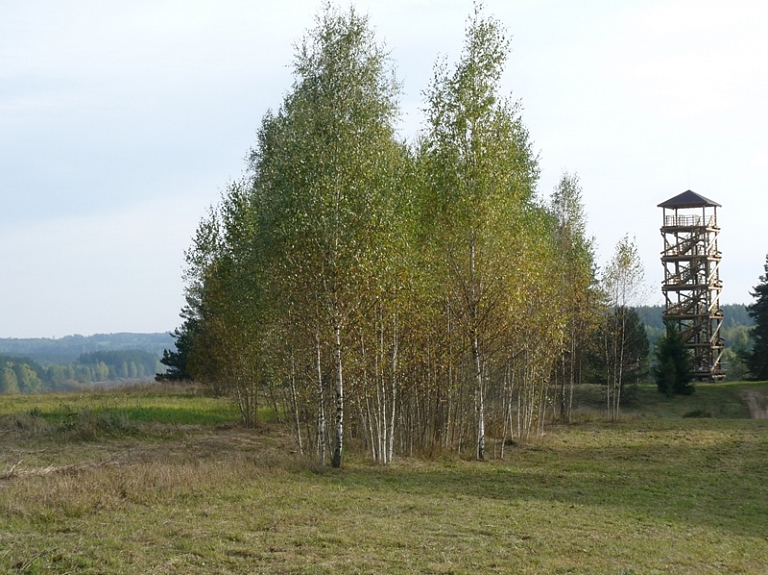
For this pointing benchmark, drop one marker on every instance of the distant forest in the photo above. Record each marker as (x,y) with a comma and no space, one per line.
(736,322)
(67,349)
(76,362)
(22,374)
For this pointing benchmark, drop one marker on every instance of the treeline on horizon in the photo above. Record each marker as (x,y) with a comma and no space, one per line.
(735,329)
(408,296)
(67,349)
(25,375)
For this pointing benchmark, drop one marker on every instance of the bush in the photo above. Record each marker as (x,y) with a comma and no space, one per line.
(698,413)
(89,425)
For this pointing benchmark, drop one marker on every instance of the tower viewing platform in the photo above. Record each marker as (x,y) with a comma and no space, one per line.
(692,285)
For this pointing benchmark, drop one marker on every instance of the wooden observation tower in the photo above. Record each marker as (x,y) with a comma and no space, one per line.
(692,283)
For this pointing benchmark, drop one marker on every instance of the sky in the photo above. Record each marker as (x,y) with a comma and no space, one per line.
(121,122)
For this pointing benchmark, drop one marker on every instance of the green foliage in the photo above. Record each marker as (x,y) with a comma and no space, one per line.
(757,356)
(734,316)
(672,371)
(580,291)
(116,365)
(734,359)
(24,375)
(9,383)
(176,361)
(481,175)
(297,250)
(27,378)
(624,275)
(735,331)
(347,269)
(20,375)
(622,284)
(326,183)
(622,326)
(59,376)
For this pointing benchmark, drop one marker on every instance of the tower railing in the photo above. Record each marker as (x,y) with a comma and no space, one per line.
(688,221)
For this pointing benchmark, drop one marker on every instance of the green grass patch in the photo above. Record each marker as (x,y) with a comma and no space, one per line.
(653,494)
(723,400)
(136,405)
(719,400)
(669,495)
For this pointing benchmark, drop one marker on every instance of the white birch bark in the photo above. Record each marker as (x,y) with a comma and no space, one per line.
(338,446)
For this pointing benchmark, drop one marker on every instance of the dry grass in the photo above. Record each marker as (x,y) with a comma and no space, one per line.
(642,496)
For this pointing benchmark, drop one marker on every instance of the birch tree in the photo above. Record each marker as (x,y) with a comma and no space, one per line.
(323,170)
(577,280)
(624,288)
(226,301)
(482,173)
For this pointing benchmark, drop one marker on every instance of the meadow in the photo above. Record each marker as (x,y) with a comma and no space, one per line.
(164,480)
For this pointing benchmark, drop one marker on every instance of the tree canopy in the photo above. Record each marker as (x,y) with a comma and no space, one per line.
(421,292)
(757,356)
(673,365)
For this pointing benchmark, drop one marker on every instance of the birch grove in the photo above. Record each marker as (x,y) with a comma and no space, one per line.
(401,298)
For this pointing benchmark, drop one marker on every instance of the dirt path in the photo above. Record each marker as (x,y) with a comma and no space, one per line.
(757,403)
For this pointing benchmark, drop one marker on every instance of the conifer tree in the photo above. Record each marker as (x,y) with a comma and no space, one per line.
(757,357)
(673,371)
(176,361)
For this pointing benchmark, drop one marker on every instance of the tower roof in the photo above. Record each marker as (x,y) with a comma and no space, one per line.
(689,199)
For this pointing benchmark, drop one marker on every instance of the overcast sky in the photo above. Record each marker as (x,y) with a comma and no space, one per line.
(120,122)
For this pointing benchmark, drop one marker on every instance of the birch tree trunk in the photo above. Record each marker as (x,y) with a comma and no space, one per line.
(321,432)
(393,392)
(295,405)
(338,446)
(480,451)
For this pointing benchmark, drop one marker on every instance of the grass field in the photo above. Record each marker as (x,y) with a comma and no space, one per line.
(144,481)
